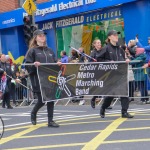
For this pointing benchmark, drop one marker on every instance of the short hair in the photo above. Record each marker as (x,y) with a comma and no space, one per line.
(63,52)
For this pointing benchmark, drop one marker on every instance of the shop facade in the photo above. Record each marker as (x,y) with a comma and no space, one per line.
(76,23)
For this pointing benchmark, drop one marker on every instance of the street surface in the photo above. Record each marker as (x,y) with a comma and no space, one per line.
(80,128)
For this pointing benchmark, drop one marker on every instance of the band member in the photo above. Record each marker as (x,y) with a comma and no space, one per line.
(39,53)
(97,54)
(113,52)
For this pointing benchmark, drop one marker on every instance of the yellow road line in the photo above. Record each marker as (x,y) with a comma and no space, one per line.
(80,144)
(127,141)
(49,146)
(138,120)
(99,139)
(132,129)
(17,135)
(83,132)
(60,134)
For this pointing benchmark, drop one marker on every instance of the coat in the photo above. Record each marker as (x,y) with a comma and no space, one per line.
(42,55)
(139,72)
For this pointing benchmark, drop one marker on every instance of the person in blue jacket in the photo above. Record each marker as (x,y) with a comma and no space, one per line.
(64,57)
(147,48)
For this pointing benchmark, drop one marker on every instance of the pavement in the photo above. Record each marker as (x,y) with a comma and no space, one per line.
(80,128)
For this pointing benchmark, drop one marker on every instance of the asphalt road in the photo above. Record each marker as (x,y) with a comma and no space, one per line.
(80,128)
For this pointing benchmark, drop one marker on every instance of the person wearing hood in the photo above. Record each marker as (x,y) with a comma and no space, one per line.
(139,76)
(113,52)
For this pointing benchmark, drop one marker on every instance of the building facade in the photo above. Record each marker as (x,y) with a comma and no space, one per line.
(75,23)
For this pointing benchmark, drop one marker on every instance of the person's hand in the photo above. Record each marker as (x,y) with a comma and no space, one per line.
(145,66)
(59,63)
(127,60)
(18,80)
(94,60)
(136,39)
(37,64)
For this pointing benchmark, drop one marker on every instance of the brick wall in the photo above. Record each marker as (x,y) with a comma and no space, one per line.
(8,5)
(41,1)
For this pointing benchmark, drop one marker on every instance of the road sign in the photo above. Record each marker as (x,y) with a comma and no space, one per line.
(29,6)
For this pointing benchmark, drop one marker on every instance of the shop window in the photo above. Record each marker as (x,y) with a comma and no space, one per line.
(83,35)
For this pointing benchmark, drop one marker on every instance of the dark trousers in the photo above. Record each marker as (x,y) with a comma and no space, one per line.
(39,104)
(143,89)
(6,99)
(124,103)
(6,96)
(13,93)
(131,89)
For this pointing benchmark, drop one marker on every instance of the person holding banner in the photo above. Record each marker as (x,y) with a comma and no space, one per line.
(97,54)
(113,52)
(39,53)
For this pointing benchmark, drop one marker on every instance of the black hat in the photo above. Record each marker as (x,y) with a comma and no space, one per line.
(112,32)
(38,32)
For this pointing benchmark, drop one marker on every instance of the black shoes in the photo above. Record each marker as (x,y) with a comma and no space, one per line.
(33,119)
(102,113)
(127,115)
(53,124)
(9,107)
(93,103)
(110,107)
(131,100)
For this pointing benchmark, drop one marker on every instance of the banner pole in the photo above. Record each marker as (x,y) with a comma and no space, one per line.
(83,54)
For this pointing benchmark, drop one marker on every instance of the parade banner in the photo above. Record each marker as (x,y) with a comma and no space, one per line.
(69,80)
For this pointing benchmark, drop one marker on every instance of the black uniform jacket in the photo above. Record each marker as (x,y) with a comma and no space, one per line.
(98,55)
(42,55)
(113,53)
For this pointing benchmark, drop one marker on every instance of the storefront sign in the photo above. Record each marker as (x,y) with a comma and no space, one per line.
(84,19)
(47,26)
(56,9)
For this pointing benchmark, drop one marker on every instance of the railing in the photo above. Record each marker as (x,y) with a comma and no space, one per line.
(139,88)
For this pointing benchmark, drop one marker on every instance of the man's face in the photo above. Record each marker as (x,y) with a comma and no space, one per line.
(3,58)
(113,38)
(149,41)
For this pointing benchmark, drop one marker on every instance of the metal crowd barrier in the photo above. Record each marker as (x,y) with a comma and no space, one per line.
(23,95)
(139,88)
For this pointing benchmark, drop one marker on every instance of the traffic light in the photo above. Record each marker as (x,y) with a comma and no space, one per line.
(27,29)
(33,28)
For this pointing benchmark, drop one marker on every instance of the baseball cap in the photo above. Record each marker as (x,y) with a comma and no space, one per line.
(112,32)
(38,32)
